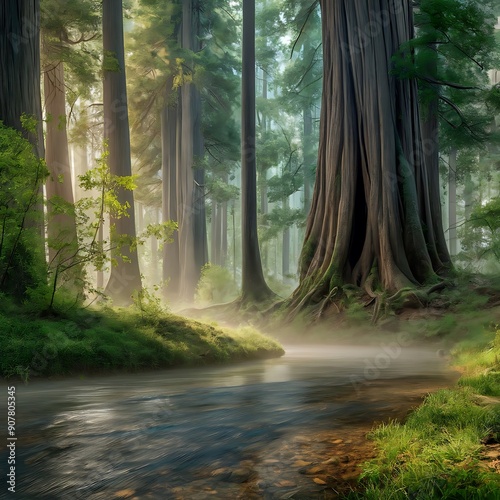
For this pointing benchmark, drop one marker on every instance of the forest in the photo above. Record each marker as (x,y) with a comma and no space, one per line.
(250,249)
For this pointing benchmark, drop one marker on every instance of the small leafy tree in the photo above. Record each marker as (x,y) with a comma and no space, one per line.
(90,213)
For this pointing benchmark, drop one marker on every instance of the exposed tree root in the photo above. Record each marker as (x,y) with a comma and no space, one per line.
(338,299)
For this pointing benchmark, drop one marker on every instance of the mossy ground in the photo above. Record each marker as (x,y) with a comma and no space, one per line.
(110,339)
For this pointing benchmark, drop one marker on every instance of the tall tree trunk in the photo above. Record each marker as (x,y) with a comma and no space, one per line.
(233,220)
(308,156)
(285,250)
(61,228)
(154,250)
(100,243)
(80,167)
(214,235)
(125,276)
(370,222)
(264,201)
(224,229)
(452,203)
(430,148)
(171,259)
(190,180)
(254,287)
(469,188)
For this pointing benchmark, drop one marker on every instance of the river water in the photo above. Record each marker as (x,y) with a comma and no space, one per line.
(252,430)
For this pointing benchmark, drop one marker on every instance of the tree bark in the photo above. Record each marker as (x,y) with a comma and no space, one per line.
(125,276)
(370,222)
(254,287)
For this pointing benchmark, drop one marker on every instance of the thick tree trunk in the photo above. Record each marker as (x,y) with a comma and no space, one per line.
(61,228)
(20,67)
(371,215)
(125,276)
(254,287)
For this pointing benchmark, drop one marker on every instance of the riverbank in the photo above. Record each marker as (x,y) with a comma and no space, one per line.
(449,447)
(88,341)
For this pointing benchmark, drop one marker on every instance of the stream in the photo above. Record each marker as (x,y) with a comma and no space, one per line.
(278,428)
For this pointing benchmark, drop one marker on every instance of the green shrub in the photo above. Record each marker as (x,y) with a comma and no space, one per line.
(216,285)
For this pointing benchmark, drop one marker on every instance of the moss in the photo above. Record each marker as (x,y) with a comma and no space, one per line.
(119,339)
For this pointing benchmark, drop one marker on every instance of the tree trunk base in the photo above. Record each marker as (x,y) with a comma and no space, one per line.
(377,304)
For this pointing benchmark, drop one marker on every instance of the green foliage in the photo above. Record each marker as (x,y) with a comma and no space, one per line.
(69,28)
(89,213)
(485,222)
(216,286)
(149,304)
(22,174)
(159,66)
(454,47)
(279,219)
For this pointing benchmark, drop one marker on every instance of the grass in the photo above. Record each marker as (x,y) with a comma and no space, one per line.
(437,452)
(104,340)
